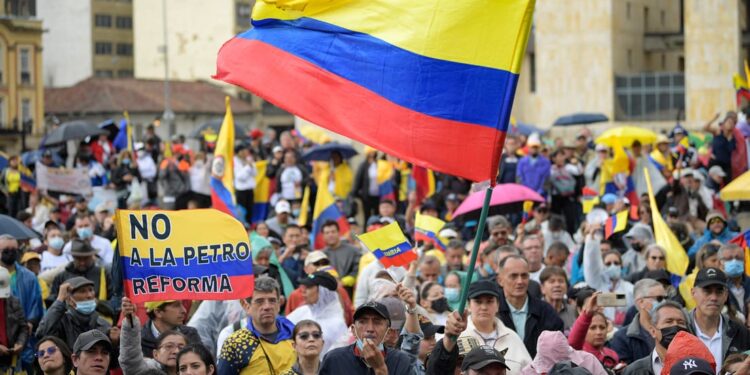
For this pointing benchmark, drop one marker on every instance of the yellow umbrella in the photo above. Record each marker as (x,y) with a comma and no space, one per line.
(737,190)
(626,135)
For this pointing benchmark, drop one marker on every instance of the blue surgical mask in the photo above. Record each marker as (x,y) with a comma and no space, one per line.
(614,272)
(84,233)
(86,307)
(734,268)
(125,161)
(295,212)
(361,345)
(489,269)
(56,243)
(452,294)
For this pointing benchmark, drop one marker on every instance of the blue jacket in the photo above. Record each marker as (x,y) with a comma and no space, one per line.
(633,342)
(29,292)
(709,236)
(534,174)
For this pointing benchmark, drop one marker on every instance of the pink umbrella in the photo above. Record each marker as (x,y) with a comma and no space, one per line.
(506,198)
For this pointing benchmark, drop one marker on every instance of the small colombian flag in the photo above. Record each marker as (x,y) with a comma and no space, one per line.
(528,206)
(389,245)
(616,223)
(426,228)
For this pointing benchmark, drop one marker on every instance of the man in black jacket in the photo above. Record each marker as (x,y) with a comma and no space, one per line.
(165,316)
(526,315)
(667,320)
(83,265)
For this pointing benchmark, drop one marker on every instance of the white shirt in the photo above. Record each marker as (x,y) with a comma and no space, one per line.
(712,343)
(102,246)
(656,363)
(372,174)
(200,177)
(51,261)
(291,180)
(244,174)
(146,166)
(535,275)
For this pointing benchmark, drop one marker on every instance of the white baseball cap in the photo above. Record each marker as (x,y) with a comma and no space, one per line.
(283,206)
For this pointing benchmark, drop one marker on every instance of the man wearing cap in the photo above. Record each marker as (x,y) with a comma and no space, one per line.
(264,345)
(84,230)
(716,178)
(92,351)
(83,265)
(73,313)
(721,335)
(484,360)
(343,257)
(318,261)
(484,325)
(533,170)
(716,230)
(13,328)
(637,238)
(164,316)
(282,219)
(526,315)
(369,354)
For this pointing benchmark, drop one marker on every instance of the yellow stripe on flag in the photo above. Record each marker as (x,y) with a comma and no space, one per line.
(677,259)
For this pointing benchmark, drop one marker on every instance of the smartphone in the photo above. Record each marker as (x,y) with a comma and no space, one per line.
(611,300)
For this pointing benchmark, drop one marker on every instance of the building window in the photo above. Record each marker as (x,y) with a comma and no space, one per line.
(630,59)
(2,65)
(650,97)
(243,12)
(663,17)
(124,49)
(681,64)
(532,72)
(104,73)
(26,112)
(24,62)
(645,18)
(125,73)
(103,20)
(103,48)
(124,22)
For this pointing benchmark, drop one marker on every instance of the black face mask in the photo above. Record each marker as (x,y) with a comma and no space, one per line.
(668,334)
(9,257)
(440,305)
(637,246)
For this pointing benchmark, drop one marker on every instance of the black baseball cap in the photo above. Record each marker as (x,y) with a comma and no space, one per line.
(658,275)
(88,339)
(78,282)
(692,366)
(320,278)
(372,306)
(481,357)
(429,329)
(483,287)
(710,276)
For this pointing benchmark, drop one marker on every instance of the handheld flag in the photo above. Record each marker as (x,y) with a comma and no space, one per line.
(124,138)
(741,85)
(169,255)
(743,240)
(424,180)
(677,258)
(528,207)
(222,170)
(389,245)
(385,180)
(426,228)
(304,207)
(28,182)
(326,209)
(424,81)
(262,194)
(615,223)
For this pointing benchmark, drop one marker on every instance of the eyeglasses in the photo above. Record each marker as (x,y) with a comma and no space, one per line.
(306,335)
(657,298)
(656,258)
(50,351)
(170,347)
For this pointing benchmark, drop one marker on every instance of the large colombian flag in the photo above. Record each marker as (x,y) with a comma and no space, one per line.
(326,209)
(430,81)
(222,170)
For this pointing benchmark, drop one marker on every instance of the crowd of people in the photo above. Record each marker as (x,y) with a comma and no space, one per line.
(549,293)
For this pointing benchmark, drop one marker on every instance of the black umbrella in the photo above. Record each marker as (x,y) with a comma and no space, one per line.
(323,152)
(581,119)
(72,130)
(15,228)
(240,132)
(111,127)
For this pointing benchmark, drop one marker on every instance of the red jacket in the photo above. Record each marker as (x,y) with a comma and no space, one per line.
(577,340)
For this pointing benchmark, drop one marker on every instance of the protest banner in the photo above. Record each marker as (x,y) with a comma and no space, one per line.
(74,181)
(189,254)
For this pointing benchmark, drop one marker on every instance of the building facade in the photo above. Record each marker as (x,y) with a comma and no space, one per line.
(195,31)
(651,62)
(86,38)
(21,87)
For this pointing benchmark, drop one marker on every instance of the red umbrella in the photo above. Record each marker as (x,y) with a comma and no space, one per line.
(506,198)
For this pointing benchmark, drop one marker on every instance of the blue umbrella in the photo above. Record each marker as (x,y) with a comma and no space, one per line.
(580,119)
(323,152)
(15,228)
(526,129)
(31,157)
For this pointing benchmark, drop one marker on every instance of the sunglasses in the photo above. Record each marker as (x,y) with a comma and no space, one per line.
(306,335)
(50,351)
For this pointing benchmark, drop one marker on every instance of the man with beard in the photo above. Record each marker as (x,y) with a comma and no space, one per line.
(667,319)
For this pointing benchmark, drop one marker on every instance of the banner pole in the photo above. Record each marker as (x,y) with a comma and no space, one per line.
(475,249)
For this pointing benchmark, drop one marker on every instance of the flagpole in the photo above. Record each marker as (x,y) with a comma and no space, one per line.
(475,249)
